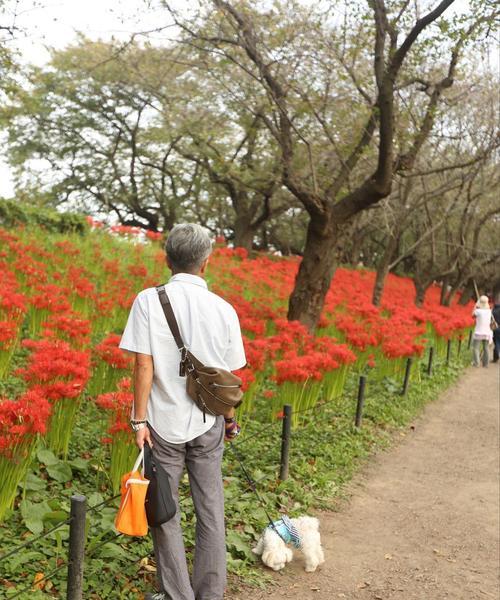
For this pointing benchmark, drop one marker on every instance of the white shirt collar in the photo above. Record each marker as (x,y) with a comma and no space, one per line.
(188,278)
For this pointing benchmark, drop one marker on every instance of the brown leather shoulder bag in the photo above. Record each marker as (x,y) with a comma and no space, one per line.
(215,391)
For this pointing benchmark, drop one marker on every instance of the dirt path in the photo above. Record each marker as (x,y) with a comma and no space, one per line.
(422,522)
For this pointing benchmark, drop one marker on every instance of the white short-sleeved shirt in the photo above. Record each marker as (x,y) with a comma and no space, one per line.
(210,329)
(483,320)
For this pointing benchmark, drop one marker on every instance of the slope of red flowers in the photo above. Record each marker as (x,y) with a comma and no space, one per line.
(68,292)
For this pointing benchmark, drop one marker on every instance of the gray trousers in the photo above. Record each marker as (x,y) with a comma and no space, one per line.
(476,345)
(202,458)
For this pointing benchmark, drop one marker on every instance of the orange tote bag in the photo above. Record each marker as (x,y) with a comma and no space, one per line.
(131,518)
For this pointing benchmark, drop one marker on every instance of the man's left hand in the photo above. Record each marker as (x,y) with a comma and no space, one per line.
(143,436)
(232,429)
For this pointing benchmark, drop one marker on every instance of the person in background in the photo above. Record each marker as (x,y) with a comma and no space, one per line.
(165,416)
(482,336)
(496,333)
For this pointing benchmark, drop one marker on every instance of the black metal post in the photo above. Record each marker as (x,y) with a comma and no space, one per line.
(285,441)
(429,365)
(448,352)
(470,340)
(459,349)
(407,377)
(361,400)
(76,547)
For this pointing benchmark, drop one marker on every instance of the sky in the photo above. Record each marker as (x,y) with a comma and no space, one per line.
(55,23)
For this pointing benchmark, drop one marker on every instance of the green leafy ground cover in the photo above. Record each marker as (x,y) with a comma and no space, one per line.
(326,450)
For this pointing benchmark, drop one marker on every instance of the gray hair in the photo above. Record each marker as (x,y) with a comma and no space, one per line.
(188,246)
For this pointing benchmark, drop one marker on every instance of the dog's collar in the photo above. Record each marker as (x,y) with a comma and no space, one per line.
(287,531)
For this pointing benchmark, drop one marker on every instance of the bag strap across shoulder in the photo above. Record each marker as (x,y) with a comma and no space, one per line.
(186,363)
(169,314)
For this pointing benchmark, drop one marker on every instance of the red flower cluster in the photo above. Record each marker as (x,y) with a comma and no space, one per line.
(125,230)
(13,306)
(49,297)
(68,327)
(21,420)
(154,236)
(55,369)
(109,352)
(119,404)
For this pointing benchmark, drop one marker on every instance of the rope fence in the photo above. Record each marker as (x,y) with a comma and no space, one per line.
(46,577)
(76,520)
(103,503)
(35,539)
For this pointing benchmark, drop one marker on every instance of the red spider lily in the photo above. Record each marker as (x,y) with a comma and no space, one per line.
(125,230)
(22,419)
(297,369)
(109,352)
(78,280)
(110,364)
(8,236)
(8,333)
(154,235)
(30,269)
(12,302)
(247,377)
(66,247)
(94,223)
(56,368)
(119,403)
(257,352)
(341,353)
(138,270)
(12,311)
(49,297)
(69,328)
(59,373)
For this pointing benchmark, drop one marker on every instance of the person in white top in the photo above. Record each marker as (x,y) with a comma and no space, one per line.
(482,331)
(165,417)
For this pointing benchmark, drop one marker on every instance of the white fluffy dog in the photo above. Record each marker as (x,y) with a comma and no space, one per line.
(303,533)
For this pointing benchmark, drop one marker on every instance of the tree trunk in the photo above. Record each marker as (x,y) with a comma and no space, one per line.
(243,232)
(444,291)
(420,289)
(169,218)
(450,294)
(467,294)
(315,274)
(383,269)
(448,298)
(378,288)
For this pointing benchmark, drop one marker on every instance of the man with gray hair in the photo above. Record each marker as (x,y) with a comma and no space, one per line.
(165,417)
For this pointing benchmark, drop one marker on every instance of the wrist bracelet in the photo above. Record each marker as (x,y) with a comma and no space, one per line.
(230,419)
(138,425)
